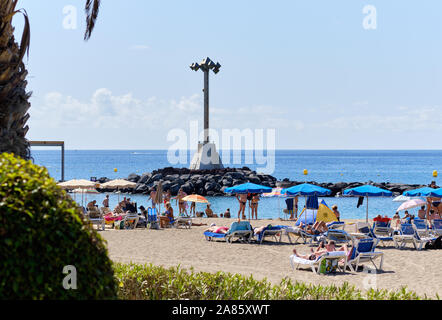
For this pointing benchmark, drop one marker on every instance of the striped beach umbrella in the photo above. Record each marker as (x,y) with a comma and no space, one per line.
(195,198)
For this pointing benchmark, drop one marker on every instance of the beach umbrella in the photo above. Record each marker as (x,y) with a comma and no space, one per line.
(195,198)
(424,192)
(159,195)
(77,183)
(80,190)
(117,184)
(411,204)
(367,191)
(248,187)
(401,198)
(306,190)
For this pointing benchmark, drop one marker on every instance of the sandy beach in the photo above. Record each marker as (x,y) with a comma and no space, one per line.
(420,271)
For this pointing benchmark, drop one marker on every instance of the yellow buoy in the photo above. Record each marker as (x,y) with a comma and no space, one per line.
(305,172)
(435,173)
(115,170)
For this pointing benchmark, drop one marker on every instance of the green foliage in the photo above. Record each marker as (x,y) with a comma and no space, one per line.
(41,231)
(138,282)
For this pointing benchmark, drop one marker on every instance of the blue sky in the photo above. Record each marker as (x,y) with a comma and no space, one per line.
(307,69)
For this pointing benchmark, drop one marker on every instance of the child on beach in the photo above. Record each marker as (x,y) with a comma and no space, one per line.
(336,212)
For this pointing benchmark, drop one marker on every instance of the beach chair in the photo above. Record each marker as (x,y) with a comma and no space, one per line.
(364,251)
(437,227)
(186,222)
(315,264)
(421,227)
(96,217)
(131,220)
(270,231)
(338,236)
(363,231)
(408,234)
(152,218)
(336,225)
(238,230)
(296,231)
(382,228)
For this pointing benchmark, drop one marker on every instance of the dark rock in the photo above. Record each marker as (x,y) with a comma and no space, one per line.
(145,177)
(133,177)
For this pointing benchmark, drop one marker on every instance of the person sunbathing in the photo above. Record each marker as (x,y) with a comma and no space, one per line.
(321,250)
(317,228)
(217,229)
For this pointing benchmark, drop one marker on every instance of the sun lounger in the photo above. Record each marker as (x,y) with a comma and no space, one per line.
(238,230)
(131,220)
(382,229)
(186,222)
(437,227)
(421,227)
(152,218)
(271,231)
(336,225)
(338,236)
(315,264)
(363,251)
(96,217)
(408,234)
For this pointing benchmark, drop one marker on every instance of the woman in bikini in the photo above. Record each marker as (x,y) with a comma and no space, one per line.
(254,206)
(242,199)
(181,203)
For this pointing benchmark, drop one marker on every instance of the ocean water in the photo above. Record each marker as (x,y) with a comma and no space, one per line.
(322,165)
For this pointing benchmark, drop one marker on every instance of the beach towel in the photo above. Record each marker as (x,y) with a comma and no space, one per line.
(312,202)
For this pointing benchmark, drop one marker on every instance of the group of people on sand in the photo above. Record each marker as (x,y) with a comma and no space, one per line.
(253,199)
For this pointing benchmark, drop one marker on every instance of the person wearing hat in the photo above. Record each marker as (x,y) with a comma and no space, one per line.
(336,212)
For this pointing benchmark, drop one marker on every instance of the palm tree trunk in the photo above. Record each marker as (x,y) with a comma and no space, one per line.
(14,103)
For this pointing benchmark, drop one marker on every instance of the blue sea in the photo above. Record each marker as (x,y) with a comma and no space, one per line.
(413,167)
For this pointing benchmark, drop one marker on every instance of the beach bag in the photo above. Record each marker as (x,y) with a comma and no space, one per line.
(328,266)
(154,225)
(119,225)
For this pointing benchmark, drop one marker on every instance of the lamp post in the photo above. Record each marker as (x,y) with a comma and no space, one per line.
(206,65)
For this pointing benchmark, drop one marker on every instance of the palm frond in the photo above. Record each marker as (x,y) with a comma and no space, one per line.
(91,9)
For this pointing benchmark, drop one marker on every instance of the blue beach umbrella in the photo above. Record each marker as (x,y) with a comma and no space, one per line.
(306,190)
(248,187)
(424,192)
(367,191)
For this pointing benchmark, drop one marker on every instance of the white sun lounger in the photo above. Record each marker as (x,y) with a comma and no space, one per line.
(315,264)
(408,234)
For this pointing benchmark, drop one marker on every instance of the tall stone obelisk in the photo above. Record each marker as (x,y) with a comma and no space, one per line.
(206,156)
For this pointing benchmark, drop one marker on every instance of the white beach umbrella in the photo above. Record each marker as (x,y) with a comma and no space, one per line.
(401,198)
(411,204)
(117,184)
(77,183)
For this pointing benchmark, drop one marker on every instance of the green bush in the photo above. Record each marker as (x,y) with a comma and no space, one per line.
(41,232)
(148,282)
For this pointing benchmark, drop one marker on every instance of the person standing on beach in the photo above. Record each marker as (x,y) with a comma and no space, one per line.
(242,199)
(152,196)
(336,212)
(106,201)
(254,205)
(192,209)
(181,203)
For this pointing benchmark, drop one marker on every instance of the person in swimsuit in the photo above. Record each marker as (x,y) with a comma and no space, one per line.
(106,201)
(336,212)
(321,250)
(242,199)
(254,205)
(181,203)
(217,229)
(192,208)
(152,196)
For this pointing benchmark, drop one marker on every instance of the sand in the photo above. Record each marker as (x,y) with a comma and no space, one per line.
(420,271)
